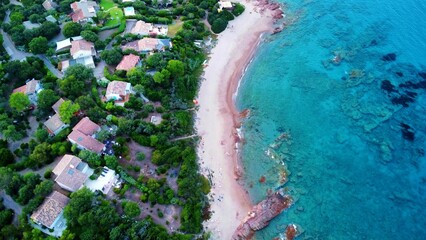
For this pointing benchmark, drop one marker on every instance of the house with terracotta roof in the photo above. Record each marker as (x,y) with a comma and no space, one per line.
(50,213)
(146,45)
(119,92)
(83,135)
(49,5)
(71,173)
(31,89)
(128,62)
(82,52)
(142,28)
(84,11)
(54,124)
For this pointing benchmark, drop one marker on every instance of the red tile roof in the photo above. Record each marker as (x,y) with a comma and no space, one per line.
(85,141)
(51,208)
(128,62)
(81,45)
(86,126)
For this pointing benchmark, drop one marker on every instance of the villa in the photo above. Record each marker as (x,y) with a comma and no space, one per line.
(71,173)
(128,62)
(49,5)
(50,213)
(83,135)
(82,52)
(142,28)
(119,92)
(147,45)
(31,89)
(54,124)
(84,11)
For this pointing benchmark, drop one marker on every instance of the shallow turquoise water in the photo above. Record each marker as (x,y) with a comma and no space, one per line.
(355,151)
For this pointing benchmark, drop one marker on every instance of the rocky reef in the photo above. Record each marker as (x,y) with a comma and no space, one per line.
(261,215)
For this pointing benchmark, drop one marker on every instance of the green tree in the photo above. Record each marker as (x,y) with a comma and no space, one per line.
(46,98)
(41,134)
(67,110)
(44,188)
(49,29)
(17,17)
(111,161)
(71,29)
(72,87)
(6,157)
(19,101)
(219,25)
(80,72)
(89,36)
(40,156)
(93,159)
(11,133)
(176,68)
(38,45)
(81,202)
(158,77)
(131,209)
(112,57)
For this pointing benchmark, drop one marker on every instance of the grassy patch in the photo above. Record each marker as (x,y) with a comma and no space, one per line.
(107,4)
(174,28)
(116,16)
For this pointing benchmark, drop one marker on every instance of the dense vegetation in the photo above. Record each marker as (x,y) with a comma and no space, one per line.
(165,85)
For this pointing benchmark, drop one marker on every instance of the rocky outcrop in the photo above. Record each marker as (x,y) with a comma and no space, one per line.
(261,215)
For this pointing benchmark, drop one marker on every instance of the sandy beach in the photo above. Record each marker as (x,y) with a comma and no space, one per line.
(217,118)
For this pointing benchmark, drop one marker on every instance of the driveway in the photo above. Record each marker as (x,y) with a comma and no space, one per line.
(99,70)
(8,202)
(49,65)
(14,53)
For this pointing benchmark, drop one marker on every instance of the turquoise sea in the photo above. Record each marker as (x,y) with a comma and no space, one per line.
(346,84)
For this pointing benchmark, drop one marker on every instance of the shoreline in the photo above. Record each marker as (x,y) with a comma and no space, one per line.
(217,118)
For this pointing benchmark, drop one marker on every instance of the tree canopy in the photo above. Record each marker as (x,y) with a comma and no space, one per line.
(71,29)
(67,110)
(19,101)
(38,45)
(46,98)
(112,57)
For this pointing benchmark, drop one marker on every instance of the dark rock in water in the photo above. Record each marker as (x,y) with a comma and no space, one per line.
(403,100)
(407,132)
(373,43)
(399,74)
(423,75)
(389,57)
(261,214)
(418,85)
(388,86)
(411,94)
(343,78)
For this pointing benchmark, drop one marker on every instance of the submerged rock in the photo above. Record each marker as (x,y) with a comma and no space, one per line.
(390,57)
(388,86)
(261,215)
(423,75)
(399,74)
(417,85)
(404,99)
(407,132)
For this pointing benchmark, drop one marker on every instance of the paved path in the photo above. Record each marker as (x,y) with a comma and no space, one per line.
(14,53)
(49,65)
(8,202)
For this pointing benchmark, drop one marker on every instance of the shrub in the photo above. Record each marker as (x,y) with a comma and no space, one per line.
(238,9)
(219,25)
(140,156)
(48,173)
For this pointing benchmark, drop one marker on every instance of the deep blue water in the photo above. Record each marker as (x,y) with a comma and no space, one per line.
(356,143)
